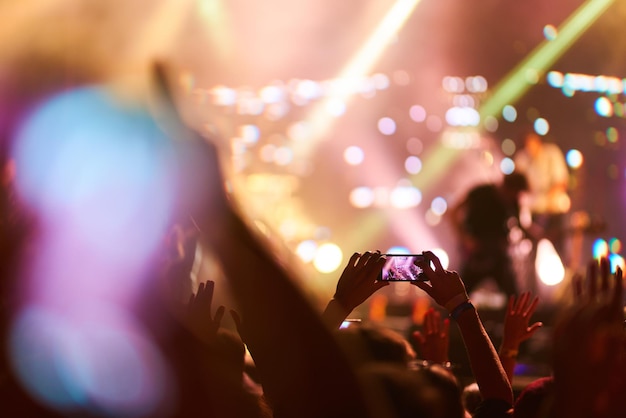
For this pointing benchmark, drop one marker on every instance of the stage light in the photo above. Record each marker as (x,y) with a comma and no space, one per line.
(516,83)
(615,245)
(508,147)
(431,218)
(612,135)
(550,32)
(507,165)
(509,113)
(405,197)
(386,126)
(328,258)
(548,264)
(439,206)
(415,146)
(600,249)
(413,165)
(354,155)
(249,133)
(306,250)
(362,197)
(417,113)
(398,250)
(542,127)
(617,260)
(357,67)
(603,107)
(574,158)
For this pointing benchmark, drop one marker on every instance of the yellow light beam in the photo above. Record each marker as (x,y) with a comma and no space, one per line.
(359,65)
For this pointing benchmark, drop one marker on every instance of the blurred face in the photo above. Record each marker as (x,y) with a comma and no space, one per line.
(533,144)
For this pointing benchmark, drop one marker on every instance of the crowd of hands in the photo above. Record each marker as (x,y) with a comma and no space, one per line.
(305,367)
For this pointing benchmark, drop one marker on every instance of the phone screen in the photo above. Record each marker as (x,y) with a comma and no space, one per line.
(403,267)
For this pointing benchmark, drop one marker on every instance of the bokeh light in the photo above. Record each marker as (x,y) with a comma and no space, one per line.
(507,166)
(616,261)
(548,264)
(354,155)
(509,113)
(306,250)
(612,135)
(362,197)
(398,249)
(405,197)
(603,107)
(413,164)
(542,127)
(417,113)
(328,258)
(386,126)
(574,158)
(550,32)
(600,248)
(508,147)
(439,205)
(615,245)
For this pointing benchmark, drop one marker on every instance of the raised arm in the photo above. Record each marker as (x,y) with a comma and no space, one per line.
(590,348)
(516,329)
(303,371)
(434,340)
(447,289)
(357,283)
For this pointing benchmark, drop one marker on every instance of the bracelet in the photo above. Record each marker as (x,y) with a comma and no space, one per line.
(509,353)
(456,301)
(456,312)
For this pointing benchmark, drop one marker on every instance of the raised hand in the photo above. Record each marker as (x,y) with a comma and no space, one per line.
(445,287)
(359,279)
(199,318)
(590,348)
(448,290)
(518,314)
(358,282)
(516,329)
(434,341)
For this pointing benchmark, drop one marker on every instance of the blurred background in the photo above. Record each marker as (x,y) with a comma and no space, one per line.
(356,125)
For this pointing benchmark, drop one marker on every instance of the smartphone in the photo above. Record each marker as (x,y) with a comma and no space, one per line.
(403,268)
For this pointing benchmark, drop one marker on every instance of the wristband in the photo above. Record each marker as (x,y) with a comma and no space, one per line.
(460,309)
(456,301)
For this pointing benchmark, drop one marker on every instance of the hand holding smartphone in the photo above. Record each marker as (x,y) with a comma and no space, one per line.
(403,268)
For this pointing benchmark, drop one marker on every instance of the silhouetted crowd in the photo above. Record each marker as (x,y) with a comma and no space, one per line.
(150,345)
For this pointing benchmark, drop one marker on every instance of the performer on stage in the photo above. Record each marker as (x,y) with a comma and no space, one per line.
(544,166)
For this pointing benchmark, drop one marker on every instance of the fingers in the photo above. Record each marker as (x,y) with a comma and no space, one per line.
(618,291)
(531,309)
(354,259)
(219,314)
(534,327)
(605,272)
(592,273)
(510,307)
(431,257)
(446,328)
(577,281)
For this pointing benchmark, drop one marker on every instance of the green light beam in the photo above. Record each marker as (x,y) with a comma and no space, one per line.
(515,84)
